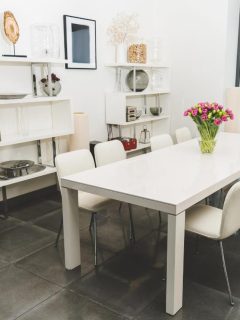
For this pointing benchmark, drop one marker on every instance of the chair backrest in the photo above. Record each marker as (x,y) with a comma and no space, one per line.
(161,141)
(183,134)
(108,152)
(72,162)
(231,212)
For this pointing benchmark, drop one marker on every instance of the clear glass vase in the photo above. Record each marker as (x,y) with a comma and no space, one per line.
(208,132)
(207,146)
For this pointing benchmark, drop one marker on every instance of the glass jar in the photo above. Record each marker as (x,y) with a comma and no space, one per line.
(145,135)
(137,52)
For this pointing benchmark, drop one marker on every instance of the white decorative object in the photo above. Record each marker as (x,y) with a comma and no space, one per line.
(45,41)
(123,28)
(80,138)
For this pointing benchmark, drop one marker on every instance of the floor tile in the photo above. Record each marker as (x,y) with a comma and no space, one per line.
(67,305)
(3,263)
(206,268)
(49,264)
(199,303)
(20,291)
(23,240)
(32,210)
(9,223)
(52,220)
(126,283)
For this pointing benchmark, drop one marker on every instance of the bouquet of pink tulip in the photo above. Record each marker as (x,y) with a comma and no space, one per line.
(208,117)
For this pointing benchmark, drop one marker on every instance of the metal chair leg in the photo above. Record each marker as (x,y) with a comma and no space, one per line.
(159,219)
(197,244)
(226,274)
(132,231)
(59,232)
(91,222)
(95,237)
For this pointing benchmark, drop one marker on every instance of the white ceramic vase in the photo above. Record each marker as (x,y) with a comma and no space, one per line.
(120,53)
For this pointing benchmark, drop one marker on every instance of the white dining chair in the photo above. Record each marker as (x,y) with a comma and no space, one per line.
(77,161)
(160,141)
(217,224)
(183,134)
(109,152)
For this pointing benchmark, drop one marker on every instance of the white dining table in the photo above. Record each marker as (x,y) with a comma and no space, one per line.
(169,180)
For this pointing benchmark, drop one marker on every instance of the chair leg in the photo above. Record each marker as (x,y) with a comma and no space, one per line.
(122,223)
(59,232)
(132,231)
(91,222)
(95,237)
(197,244)
(226,274)
(159,219)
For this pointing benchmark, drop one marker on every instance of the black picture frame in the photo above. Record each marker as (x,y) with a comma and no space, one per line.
(237,80)
(80,43)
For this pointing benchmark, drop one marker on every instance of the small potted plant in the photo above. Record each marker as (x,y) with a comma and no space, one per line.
(208,118)
(55,82)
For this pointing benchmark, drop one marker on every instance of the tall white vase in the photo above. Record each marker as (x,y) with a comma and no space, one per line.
(120,53)
(80,138)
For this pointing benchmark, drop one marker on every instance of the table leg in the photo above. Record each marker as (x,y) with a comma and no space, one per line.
(175,260)
(71,228)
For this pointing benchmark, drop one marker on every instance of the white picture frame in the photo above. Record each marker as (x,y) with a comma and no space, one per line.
(80,42)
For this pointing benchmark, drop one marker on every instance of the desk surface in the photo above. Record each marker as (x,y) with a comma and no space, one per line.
(170,179)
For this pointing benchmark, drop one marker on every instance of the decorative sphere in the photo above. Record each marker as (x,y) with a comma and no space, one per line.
(142,80)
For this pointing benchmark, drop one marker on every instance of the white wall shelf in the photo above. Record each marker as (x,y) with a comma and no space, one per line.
(32,60)
(46,171)
(147,92)
(29,100)
(38,135)
(32,119)
(155,95)
(136,65)
(143,119)
(140,146)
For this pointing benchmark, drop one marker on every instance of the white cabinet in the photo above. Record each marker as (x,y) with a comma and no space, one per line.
(118,100)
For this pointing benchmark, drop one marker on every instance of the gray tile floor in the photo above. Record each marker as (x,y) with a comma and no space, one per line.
(128,284)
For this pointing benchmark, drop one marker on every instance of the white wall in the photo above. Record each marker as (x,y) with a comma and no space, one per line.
(198,36)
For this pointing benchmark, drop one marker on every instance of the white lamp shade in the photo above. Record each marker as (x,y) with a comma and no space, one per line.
(233,102)
(80,138)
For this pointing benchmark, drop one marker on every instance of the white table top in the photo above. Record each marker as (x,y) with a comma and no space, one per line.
(170,179)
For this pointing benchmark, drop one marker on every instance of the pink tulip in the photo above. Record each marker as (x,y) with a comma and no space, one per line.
(217,121)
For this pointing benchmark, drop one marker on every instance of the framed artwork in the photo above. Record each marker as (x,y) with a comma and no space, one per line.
(237,80)
(80,42)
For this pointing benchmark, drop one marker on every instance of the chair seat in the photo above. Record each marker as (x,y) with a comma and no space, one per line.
(204,220)
(94,203)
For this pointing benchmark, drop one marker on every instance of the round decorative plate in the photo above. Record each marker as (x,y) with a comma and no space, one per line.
(11,28)
(142,80)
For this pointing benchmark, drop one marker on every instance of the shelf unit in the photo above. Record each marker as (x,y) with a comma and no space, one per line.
(118,100)
(33,119)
